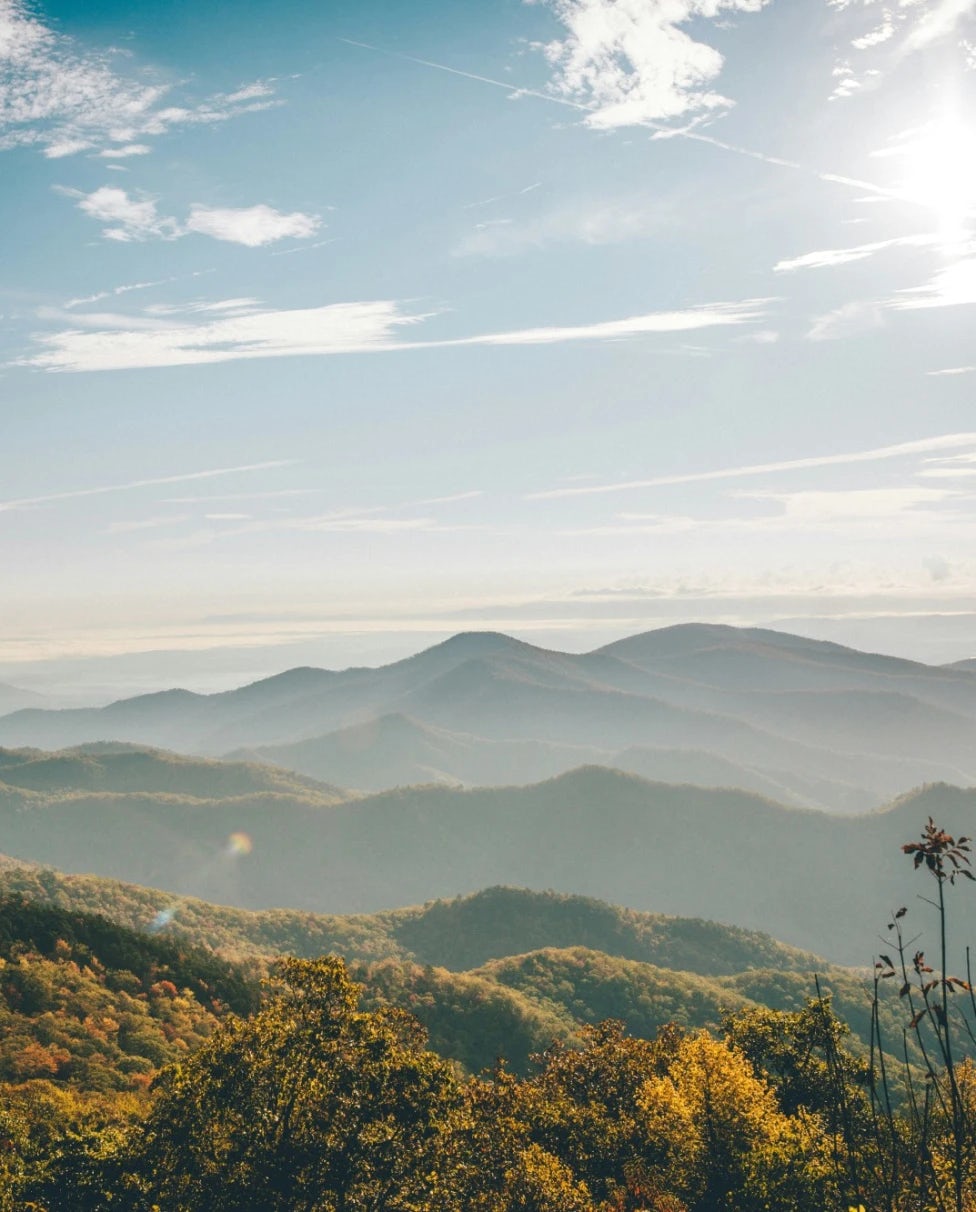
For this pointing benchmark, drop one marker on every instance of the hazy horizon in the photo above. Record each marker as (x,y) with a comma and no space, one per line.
(99,679)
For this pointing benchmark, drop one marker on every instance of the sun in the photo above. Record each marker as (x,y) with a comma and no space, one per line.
(939,173)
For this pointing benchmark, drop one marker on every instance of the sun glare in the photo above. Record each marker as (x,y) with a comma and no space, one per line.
(940,174)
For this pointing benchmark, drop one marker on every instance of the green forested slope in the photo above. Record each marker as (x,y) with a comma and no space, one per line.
(819,881)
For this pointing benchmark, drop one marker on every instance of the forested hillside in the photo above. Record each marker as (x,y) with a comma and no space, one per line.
(741,1082)
(817,880)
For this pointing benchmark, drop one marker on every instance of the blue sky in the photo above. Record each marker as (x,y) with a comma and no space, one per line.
(329,329)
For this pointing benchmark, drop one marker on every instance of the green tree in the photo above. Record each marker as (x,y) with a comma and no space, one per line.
(311,1106)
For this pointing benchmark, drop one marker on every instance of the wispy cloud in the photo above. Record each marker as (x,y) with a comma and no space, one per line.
(380,520)
(182,478)
(518,193)
(451,499)
(131,218)
(290,252)
(64,99)
(937,20)
(840,511)
(889,34)
(953,370)
(336,328)
(712,315)
(243,496)
(630,61)
(127,288)
(952,286)
(858,504)
(636,524)
(124,152)
(154,523)
(237,329)
(592,222)
(830,257)
(920,446)
(849,320)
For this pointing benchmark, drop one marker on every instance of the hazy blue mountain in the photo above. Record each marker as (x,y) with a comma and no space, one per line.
(755,658)
(12,698)
(395,750)
(703,769)
(814,723)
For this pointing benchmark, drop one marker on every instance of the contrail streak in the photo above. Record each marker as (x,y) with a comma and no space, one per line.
(947,441)
(27,502)
(670,131)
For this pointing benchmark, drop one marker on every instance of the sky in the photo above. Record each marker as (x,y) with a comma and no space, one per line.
(330,329)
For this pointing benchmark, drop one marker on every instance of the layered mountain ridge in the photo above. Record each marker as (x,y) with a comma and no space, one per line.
(811,722)
(819,881)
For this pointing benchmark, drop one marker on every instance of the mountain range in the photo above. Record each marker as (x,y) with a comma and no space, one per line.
(807,722)
(822,882)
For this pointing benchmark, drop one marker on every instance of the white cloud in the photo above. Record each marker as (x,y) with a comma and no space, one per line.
(830,257)
(881,33)
(952,286)
(709,316)
(947,441)
(252,226)
(121,153)
(128,218)
(848,320)
(337,328)
(968,456)
(851,504)
(64,99)
(953,370)
(132,218)
(242,330)
(630,62)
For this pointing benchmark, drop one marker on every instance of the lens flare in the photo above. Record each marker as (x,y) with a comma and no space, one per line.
(239,844)
(163,918)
